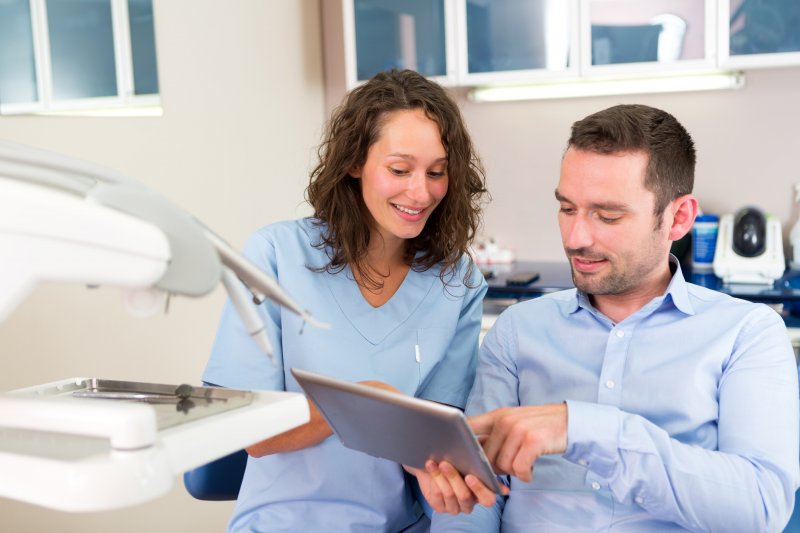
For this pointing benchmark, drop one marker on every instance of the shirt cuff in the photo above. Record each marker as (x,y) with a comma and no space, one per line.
(593,435)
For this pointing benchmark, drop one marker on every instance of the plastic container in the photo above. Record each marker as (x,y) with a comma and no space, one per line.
(704,241)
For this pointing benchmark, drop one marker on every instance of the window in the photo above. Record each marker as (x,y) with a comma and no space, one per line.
(77,56)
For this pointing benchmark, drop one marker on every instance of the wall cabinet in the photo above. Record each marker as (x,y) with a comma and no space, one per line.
(481,42)
(633,37)
(461,42)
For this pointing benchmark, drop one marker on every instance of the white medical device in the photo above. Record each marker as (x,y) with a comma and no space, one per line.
(749,248)
(64,445)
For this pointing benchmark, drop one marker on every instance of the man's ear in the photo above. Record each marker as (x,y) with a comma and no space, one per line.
(684,210)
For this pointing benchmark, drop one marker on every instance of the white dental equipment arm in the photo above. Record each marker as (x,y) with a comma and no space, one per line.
(64,220)
(67,220)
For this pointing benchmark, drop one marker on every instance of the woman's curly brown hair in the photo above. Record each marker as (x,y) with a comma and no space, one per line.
(337,199)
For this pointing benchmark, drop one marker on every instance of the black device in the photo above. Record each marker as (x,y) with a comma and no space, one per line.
(749,232)
(521,279)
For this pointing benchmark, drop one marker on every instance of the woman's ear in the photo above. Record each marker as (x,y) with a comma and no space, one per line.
(355,172)
(684,211)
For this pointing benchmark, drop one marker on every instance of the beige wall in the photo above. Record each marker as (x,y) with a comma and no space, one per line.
(242,91)
(748,144)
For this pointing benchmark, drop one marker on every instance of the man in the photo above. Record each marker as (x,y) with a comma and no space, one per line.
(637,401)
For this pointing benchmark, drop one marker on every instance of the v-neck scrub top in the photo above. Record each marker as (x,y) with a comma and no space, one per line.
(423,341)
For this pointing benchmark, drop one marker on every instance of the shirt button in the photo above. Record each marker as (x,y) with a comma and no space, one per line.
(595,485)
(583,462)
(639,500)
(620,333)
(609,384)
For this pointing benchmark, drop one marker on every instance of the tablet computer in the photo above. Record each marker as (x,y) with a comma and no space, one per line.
(397,427)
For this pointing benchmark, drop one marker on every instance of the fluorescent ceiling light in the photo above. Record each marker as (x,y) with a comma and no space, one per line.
(606,87)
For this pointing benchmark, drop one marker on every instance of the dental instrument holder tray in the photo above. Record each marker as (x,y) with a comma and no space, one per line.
(89,444)
(173,404)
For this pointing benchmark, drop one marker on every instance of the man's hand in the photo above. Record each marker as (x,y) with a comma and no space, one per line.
(513,438)
(448,492)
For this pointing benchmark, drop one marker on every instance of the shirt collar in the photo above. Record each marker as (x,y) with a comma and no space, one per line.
(677,291)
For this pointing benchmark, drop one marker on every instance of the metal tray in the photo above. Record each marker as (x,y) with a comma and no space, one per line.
(173,404)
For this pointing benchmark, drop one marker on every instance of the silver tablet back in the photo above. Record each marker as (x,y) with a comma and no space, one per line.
(397,427)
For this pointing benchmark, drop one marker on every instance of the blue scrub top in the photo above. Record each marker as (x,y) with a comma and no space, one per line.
(423,341)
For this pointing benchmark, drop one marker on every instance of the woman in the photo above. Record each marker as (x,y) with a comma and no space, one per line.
(396,198)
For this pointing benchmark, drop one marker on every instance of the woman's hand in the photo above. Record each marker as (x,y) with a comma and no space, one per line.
(447,492)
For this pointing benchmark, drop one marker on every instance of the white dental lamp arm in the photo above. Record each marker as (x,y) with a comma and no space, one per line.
(256,280)
(67,220)
(247,311)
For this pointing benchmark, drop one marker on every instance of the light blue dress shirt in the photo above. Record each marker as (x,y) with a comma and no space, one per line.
(423,341)
(684,416)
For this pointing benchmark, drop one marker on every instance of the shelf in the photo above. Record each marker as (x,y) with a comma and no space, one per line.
(556,276)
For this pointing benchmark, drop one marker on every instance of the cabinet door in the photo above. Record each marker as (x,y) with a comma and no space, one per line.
(516,40)
(385,34)
(635,37)
(763,33)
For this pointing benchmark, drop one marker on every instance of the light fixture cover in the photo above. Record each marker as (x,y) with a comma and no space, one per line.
(609,86)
